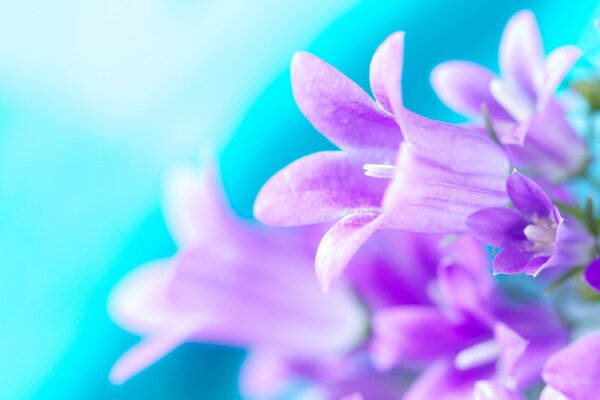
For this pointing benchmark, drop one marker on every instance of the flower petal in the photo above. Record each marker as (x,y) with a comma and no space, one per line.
(527,196)
(521,51)
(464,87)
(575,370)
(417,334)
(444,173)
(317,188)
(491,390)
(512,347)
(340,243)
(497,226)
(386,72)
(549,393)
(592,274)
(442,381)
(339,108)
(556,66)
(510,261)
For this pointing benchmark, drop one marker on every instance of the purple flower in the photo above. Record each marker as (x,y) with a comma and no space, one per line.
(395,170)
(467,332)
(574,372)
(232,283)
(490,390)
(520,102)
(533,234)
(592,274)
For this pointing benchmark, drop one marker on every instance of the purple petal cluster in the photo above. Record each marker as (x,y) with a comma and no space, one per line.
(399,217)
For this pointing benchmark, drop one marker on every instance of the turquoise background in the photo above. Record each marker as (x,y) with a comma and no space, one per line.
(98,99)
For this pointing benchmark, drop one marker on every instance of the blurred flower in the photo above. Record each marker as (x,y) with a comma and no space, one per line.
(533,234)
(574,372)
(466,331)
(414,184)
(520,103)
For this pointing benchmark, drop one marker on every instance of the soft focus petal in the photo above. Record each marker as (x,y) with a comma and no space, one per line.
(574,245)
(527,196)
(340,244)
(266,299)
(418,334)
(491,390)
(195,207)
(317,188)
(575,370)
(461,291)
(386,72)
(521,50)
(441,381)
(464,87)
(556,66)
(549,393)
(497,226)
(339,108)
(152,349)
(444,173)
(512,347)
(592,274)
(263,375)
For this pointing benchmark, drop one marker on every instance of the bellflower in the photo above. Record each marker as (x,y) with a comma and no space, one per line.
(533,235)
(232,283)
(527,118)
(394,170)
(574,372)
(466,333)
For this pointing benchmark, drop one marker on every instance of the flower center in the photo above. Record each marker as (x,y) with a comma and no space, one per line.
(542,234)
(381,171)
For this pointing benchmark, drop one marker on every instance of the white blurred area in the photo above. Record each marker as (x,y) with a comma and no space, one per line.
(97,99)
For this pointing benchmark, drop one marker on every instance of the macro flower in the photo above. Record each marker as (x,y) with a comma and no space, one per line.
(466,332)
(231,282)
(574,371)
(520,102)
(395,170)
(533,235)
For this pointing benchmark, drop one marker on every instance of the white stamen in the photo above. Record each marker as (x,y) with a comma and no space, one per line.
(381,171)
(542,234)
(512,98)
(477,355)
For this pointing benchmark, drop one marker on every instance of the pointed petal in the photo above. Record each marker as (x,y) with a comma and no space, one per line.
(386,73)
(150,350)
(527,196)
(464,87)
(575,370)
(340,243)
(195,206)
(521,51)
(444,173)
(418,334)
(512,347)
(510,261)
(317,188)
(498,226)
(592,274)
(556,66)
(339,108)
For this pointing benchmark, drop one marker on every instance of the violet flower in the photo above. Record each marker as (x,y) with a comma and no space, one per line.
(574,372)
(395,170)
(466,333)
(533,235)
(520,102)
(231,283)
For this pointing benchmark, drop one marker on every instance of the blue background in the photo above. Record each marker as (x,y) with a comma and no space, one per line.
(99,98)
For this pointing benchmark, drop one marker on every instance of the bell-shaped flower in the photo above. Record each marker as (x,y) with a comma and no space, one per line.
(233,283)
(395,170)
(533,234)
(466,333)
(520,102)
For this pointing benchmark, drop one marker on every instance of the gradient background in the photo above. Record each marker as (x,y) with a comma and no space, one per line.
(99,98)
